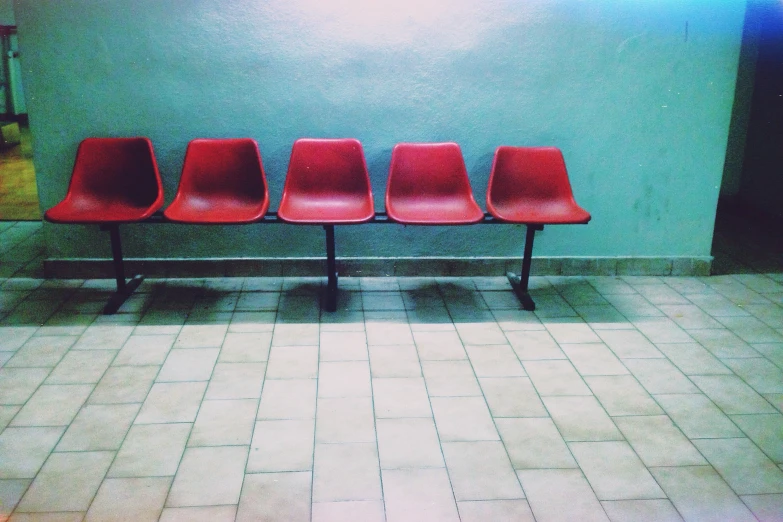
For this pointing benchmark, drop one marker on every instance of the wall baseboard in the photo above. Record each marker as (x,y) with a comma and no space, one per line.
(374,267)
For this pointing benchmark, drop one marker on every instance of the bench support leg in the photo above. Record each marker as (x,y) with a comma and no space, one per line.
(124,289)
(520,283)
(331,270)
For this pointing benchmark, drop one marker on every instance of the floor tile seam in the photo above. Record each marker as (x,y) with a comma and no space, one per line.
(315,418)
(23,404)
(192,425)
(432,412)
(489,411)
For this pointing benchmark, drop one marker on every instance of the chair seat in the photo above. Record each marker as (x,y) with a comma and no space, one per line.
(540,212)
(327,184)
(337,209)
(215,210)
(89,211)
(441,210)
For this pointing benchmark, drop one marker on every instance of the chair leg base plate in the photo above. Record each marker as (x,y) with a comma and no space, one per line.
(120,296)
(522,294)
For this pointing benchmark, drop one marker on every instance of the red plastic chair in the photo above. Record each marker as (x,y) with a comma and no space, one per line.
(114,181)
(327,184)
(222,182)
(529,185)
(428,185)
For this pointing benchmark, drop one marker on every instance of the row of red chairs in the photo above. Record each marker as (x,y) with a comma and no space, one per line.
(116,180)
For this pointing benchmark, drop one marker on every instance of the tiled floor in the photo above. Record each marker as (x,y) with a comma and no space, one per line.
(630,398)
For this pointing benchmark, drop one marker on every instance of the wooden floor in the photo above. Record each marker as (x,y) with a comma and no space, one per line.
(18,192)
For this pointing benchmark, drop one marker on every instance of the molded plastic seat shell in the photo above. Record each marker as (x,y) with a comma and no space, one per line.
(327,183)
(114,180)
(530,185)
(222,182)
(428,185)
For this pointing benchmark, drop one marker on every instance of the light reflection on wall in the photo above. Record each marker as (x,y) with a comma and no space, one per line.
(454,24)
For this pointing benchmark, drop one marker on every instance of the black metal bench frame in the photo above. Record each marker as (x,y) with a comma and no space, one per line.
(125,289)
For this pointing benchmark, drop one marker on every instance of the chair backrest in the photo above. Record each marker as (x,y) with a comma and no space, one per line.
(224,167)
(530,173)
(116,170)
(327,167)
(427,169)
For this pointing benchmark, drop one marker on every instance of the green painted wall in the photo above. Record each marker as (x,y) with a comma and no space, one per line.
(637,94)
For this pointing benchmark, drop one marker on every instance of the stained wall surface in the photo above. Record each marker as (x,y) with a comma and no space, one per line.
(636,93)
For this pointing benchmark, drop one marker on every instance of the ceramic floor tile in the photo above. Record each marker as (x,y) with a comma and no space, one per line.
(137,499)
(252,322)
(81,367)
(43,352)
(275,496)
(658,442)
(418,495)
(24,450)
(53,405)
(693,359)
(751,330)
(514,320)
(408,443)
(482,510)
(571,332)
(534,443)
(689,316)
(439,345)
(661,330)
(288,399)
(760,374)
(223,483)
(401,397)
(697,416)
(560,494)
(699,494)
(13,337)
(345,420)
(622,395)
(343,346)
(660,510)
(224,423)
(201,336)
(365,510)
(660,376)
(534,345)
(172,402)
(772,351)
(346,472)
(344,379)
(629,344)
(742,465)
(144,350)
(292,362)
(6,414)
(450,379)
(512,397)
(18,384)
(152,450)
(767,508)
(99,427)
(394,361)
(11,492)
(463,419)
(388,331)
(555,378)
(236,381)
(594,359)
(293,334)
(723,343)
(766,431)
(614,471)
(103,337)
(480,333)
(282,445)
(126,384)
(188,365)
(481,471)
(245,347)
(732,395)
(581,419)
(494,361)
(49,492)
(199,514)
